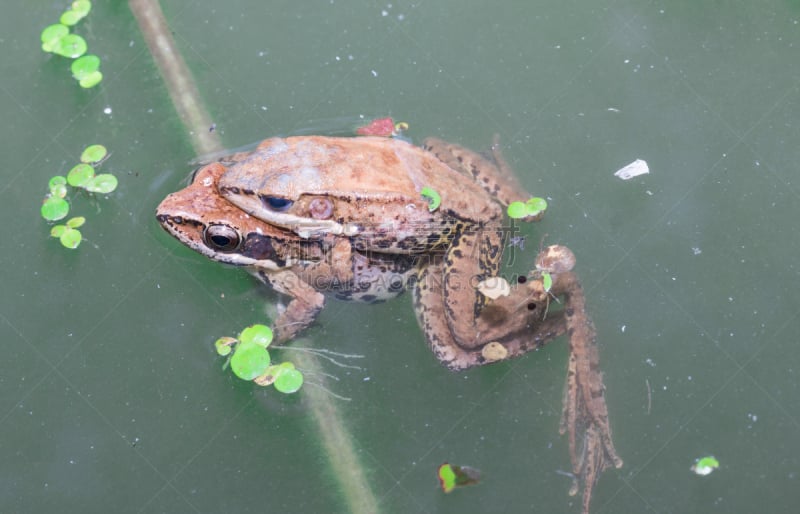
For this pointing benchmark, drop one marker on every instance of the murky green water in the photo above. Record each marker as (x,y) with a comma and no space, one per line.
(111,396)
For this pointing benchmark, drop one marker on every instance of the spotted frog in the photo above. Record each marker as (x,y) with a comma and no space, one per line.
(313,214)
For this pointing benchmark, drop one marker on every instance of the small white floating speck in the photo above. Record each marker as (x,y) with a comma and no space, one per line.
(634,169)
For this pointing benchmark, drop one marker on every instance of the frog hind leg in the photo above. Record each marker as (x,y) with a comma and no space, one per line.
(430,307)
(584,405)
(303,308)
(493,175)
(474,255)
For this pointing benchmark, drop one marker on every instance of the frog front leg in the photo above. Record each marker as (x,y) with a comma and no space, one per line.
(303,308)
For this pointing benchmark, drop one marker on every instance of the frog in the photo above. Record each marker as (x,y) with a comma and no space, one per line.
(462,328)
(368,189)
(302,270)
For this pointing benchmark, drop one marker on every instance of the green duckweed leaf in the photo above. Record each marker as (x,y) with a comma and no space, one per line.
(52,35)
(433,198)
(59,191)
(535,205)
(93,154)
(532,207)
(82,7)
(249,360)
(58,186)
(58,230)
(516,210)
(102,183)
(91,80)
(288,380)
(83,67)
(224,345)
(69,237)
(452,476)
(71,45)
(54,208)
(705,465)
(80,175)
(256,334)
(76,222)
(447,477)
(70,17)
(58,180)
(547,281)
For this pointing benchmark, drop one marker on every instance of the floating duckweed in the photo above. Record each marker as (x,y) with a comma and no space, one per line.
(93,154)
(54,208)
(76,222)
(58,186)
(80,175)
(79,10)
(532,207)
(516,210)
(71,238)
(433,198)
(249,360)
(71,45)
(103,183)
(51,36)
(82,7)
(260,335)
(69,235)
(536,205)
(85,71)
(224,345)
(59,191)
(705,465)
(58,180)
(57,39)
(70,18)
(447,477)
(91,80)
(288,380)
(452,476)
(547,281)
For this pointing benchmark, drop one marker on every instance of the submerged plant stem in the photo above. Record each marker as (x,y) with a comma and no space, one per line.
(176,74)
(335,438)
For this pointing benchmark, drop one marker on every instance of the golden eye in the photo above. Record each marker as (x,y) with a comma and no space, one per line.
(222,238)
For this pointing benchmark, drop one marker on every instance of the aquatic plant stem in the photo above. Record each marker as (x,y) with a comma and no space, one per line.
(333,434)
(337,441)
(177,77)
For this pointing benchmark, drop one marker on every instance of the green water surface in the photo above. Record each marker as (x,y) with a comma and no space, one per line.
(113,400)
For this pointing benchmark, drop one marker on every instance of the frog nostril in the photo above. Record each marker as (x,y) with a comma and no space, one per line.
(276,203)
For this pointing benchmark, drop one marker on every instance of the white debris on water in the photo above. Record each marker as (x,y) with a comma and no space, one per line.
(634,169)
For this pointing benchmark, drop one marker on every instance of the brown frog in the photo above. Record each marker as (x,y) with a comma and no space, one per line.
(205,222)
(337,209)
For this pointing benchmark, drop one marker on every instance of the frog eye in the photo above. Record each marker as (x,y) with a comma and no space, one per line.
(221,238)
(276,203)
